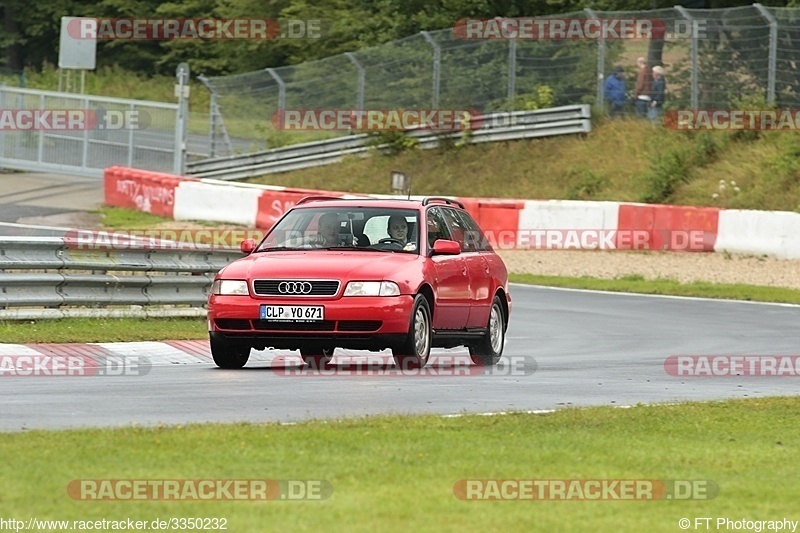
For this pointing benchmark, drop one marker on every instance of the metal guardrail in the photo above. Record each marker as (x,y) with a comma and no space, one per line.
(492,128)
(61,279)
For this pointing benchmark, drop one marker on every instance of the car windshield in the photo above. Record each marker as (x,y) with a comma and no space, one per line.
(360,228)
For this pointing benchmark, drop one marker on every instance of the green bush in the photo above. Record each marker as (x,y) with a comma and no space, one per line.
(396,140)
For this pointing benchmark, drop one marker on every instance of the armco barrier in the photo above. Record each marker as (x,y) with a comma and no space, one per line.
(495,127)
(775,233)
(672,227)
(513,221)
(69,277)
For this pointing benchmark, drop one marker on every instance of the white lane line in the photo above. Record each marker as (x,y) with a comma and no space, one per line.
(617,293)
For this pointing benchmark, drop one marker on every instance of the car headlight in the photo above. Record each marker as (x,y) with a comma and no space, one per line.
(372,288)
(229,287)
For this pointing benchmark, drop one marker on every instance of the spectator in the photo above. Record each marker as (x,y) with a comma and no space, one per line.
(641,92)
(658,94)
(615,92)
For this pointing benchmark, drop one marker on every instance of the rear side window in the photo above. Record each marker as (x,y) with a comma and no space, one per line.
(437,227)
(466,231)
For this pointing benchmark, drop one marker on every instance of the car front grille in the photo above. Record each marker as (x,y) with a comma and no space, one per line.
(295,287)
(322,325)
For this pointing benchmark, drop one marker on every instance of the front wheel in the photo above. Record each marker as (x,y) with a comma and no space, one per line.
(229,354)
(415,351)
(488,350)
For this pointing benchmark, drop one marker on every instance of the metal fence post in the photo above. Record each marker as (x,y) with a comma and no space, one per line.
(437,66)
(512,71)
(601,62)
(40,151)
(281,88)
(773,51)
(361,79)
(685,14)
(85,155)
(130,137)
(2,131)
(179,161)
(212,124)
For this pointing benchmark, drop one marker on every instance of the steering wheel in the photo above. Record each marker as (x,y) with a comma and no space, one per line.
(389,240)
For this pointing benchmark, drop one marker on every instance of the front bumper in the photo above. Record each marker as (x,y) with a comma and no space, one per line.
(353,322)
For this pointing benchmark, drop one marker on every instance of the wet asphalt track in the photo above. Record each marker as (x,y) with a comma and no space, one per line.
(590,349)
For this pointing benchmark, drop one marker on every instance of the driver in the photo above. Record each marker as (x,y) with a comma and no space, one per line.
(326,236)
(398,228)
(327,230)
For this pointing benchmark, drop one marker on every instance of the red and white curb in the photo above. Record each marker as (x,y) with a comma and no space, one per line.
(168,353)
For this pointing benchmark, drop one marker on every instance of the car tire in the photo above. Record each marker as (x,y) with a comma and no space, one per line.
(228,354)
(316,356)
(488,350)
(415,351)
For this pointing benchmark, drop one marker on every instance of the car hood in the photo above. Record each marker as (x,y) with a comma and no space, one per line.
(319,264)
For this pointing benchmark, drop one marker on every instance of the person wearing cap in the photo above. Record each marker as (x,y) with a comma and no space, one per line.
(615,92)
(641,91)
(657,94)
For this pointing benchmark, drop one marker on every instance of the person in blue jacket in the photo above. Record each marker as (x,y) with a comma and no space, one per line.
(615,92)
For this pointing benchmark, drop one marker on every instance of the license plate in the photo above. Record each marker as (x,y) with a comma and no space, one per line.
(293,313)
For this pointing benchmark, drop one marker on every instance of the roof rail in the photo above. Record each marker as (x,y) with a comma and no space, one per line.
(449,201)
(316,198)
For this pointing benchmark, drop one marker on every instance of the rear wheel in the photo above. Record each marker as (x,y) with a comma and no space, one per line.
(229,354)
(416,349)
(316,356)
(488,350)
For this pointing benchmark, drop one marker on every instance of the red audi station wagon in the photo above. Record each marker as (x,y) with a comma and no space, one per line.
(369,274)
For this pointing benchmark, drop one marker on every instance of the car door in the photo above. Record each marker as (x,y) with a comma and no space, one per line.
(466,232)
(451,282)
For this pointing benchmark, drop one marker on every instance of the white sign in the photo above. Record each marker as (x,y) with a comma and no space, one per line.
(78,44)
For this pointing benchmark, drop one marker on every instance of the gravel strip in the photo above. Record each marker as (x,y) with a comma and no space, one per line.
(684,267)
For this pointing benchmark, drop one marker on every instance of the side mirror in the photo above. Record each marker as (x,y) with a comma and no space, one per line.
(445,247)
(247,246)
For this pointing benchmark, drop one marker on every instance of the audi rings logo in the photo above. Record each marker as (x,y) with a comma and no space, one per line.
(294,287)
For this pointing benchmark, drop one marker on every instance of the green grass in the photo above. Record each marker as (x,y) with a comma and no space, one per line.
(397,473)
(636,283)
(122,218)
(102,330)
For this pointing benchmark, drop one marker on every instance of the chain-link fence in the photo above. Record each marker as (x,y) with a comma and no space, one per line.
(84,134)
(712,59)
